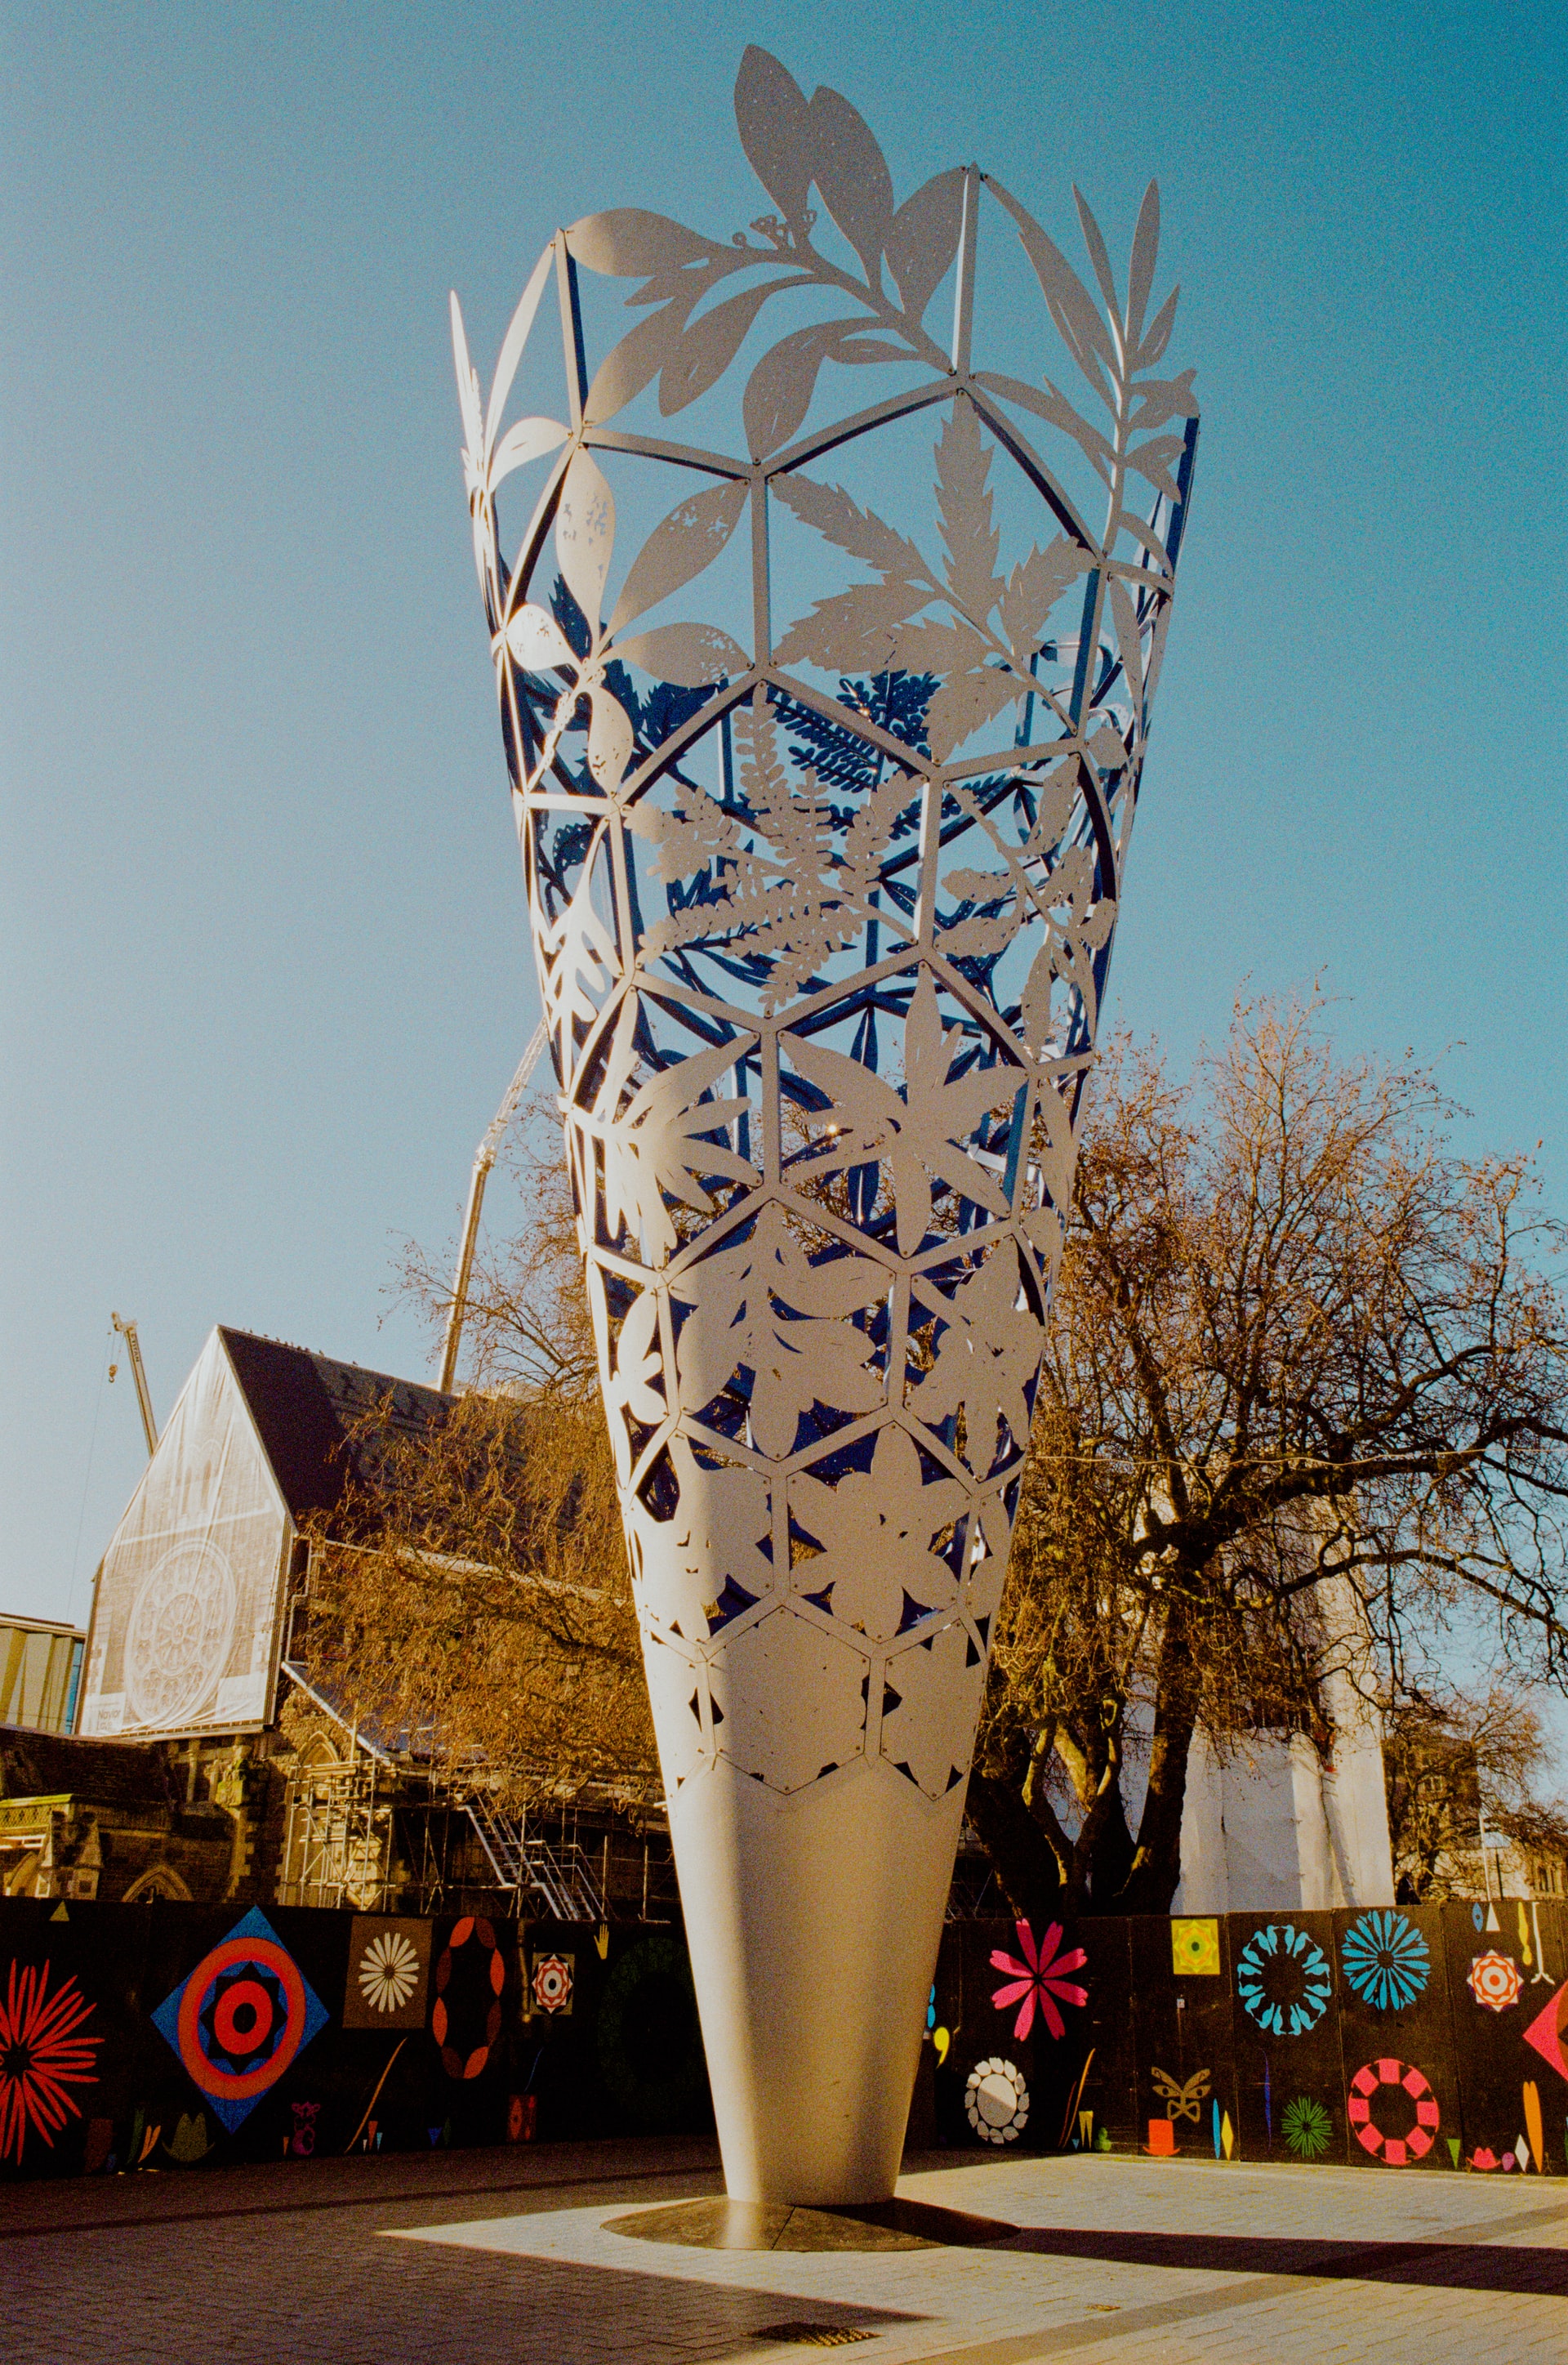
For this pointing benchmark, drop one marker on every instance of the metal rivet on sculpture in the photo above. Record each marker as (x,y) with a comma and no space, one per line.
(825,785)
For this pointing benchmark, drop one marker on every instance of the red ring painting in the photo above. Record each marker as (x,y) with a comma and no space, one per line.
(1396,2151)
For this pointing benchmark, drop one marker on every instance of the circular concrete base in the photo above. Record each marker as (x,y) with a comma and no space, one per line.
(752,2226)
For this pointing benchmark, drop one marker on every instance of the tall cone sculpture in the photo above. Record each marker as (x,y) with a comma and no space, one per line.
(824,772)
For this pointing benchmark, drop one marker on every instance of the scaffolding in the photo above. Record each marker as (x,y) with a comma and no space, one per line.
(337,1837)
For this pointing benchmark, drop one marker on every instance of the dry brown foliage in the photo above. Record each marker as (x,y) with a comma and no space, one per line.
(477,1606)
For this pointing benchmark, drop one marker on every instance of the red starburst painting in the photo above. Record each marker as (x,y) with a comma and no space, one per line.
(43,2053)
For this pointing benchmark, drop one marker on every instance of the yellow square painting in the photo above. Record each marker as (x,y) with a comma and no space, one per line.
(1194,1948)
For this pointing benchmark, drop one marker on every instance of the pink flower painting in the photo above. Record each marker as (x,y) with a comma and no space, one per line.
(1040,1979)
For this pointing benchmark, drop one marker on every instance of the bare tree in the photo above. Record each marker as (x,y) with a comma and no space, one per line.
(1461,1769)
(1297,1338)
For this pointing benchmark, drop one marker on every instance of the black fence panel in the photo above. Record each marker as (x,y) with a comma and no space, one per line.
(172,2035)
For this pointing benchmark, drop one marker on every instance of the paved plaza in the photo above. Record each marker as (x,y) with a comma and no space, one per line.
(502,2256)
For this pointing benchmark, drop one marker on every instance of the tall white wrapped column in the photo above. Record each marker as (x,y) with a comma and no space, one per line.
(825,725)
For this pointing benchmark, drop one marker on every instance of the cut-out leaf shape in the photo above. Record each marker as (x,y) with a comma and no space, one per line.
(722,1521)
(1098,255)
(778,391)
(610,737)
(920,1134)
(968,701)
(963,499)
(851,173)
(923,239)
(534,640)
(875,1527)
(986,1358)
(1034,585)
(1068,300)
(655,1149)
(512,345)
(875,627)
(689,655)
(631,365)
(629,243)
(638,1369)
(706,349)
(787,882)
(578,966)
(739,1299)
(585,533)
(1154,344)
(528,439)
(679,548)
(1141,275)
(859,531)
(773,119)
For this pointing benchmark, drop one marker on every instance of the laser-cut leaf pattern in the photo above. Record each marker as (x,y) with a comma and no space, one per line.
(822,903)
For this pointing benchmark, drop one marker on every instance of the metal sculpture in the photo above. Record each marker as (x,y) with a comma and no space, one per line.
(822,875)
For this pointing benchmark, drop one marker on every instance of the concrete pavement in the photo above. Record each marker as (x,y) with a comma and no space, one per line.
(503,2256)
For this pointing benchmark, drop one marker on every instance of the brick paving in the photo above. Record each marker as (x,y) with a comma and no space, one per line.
(503,2256)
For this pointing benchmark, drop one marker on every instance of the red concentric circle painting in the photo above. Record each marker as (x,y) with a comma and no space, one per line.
(240,2018)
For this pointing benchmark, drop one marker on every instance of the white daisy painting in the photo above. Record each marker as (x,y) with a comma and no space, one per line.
(388,1973)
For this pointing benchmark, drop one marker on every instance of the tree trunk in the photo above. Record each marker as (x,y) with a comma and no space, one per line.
(1020,1856)
(1155,1871)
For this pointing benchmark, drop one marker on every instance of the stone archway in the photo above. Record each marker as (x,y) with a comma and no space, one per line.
(158,1880)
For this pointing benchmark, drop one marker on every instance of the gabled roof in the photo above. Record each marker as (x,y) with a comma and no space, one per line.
(306,1409)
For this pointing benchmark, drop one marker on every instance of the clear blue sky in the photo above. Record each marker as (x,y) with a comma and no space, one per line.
(265,973)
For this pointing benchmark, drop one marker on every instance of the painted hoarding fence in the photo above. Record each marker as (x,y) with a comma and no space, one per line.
(178,2035)
(824,778)
(1431,2037)
(164,2034)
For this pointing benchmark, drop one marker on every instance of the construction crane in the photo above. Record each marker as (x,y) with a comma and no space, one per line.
(133,1350)
(485,1157)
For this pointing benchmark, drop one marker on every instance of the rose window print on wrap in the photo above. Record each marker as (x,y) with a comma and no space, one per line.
(1495,1980)
(1387,1960)
(1393,2112)
(1284,1979)
(1039,1980)
(46,2052)
(825,654)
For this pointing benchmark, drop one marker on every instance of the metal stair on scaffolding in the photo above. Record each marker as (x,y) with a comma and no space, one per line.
(561,1878)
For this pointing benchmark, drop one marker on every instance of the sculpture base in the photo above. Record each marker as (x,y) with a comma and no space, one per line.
(813,1923)
(754,2226)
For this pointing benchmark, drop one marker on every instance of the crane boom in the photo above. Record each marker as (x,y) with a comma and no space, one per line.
(143,1396)
(485,1157)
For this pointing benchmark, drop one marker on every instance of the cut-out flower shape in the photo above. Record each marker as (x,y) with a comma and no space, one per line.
(921,1134)
(875,1527)
(1039,1980)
